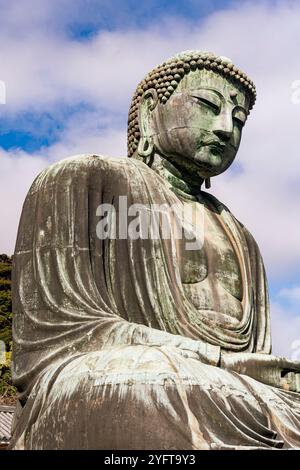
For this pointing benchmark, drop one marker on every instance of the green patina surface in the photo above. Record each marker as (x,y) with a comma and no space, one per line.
(146,344)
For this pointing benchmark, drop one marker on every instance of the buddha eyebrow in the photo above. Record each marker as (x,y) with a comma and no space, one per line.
(216,92)
(208,89)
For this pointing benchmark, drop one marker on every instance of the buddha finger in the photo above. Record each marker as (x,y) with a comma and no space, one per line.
(297,380)
(290,382)
(187,354)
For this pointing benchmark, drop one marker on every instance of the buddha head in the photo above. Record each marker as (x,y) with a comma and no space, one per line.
(191,110)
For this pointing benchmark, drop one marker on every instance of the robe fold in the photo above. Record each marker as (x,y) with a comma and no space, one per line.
(97,321)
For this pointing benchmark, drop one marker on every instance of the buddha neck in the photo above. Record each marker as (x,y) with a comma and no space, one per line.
(184,183)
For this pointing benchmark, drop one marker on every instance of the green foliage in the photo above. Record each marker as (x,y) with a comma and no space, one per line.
(4,258)
(5,270)
(6,387)
(5,300)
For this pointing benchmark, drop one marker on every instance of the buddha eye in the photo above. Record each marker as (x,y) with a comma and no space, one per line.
(208,103)
(240,117)
(209,99)
(238,121)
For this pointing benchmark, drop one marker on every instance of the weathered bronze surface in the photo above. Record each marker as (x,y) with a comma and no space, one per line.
(144,343)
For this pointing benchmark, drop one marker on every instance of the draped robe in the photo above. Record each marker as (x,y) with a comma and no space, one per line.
(94,322)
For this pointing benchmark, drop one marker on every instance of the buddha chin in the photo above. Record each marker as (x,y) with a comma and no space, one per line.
(213,159)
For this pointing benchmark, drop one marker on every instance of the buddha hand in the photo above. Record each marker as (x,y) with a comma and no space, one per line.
(276,371)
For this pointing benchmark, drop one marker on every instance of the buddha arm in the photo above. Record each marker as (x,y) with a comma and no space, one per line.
(132,333)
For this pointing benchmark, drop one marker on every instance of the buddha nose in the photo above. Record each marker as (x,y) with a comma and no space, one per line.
(224,126)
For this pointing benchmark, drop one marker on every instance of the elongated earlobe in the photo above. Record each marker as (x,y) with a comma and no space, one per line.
(146,143)
(145,147)
(207,183)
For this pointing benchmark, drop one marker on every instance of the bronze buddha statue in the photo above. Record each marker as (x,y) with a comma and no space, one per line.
(142,342)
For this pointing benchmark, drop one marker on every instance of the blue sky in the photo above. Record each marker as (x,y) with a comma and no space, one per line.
(71,67)
(32,131)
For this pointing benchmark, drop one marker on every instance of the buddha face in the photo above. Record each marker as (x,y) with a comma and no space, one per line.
(200,126)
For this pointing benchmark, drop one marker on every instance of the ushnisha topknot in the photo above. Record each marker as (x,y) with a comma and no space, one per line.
(166,77)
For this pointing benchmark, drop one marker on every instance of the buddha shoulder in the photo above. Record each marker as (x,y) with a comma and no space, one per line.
(84,170)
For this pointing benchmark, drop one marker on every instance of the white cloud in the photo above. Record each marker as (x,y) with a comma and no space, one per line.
(18,169)
(88,133)
(17,174)
(291,294)
(285,331)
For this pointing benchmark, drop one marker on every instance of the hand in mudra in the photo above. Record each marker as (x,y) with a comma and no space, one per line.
(276,371)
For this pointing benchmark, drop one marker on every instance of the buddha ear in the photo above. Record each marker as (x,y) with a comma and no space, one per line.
(148,103)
